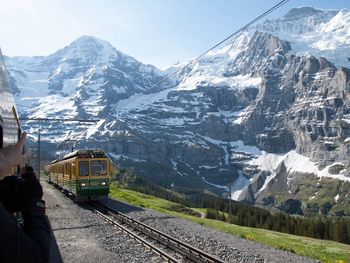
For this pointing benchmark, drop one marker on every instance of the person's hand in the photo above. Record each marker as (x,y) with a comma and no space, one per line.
(30,187)
(22,194)
(30,193)
(11,156)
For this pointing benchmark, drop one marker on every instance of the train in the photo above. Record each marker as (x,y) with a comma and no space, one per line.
(10,129)
(83,174)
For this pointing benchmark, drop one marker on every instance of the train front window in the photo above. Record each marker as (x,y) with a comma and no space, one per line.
(98,167)
(83,168)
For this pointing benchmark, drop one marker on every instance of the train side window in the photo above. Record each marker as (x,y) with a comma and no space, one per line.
(84,168)
(67,171)
(73,170)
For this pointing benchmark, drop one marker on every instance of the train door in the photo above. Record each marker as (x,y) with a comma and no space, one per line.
(57,174)
(61,175)
(83,172)
(73,177)
(69,176)
(65,176)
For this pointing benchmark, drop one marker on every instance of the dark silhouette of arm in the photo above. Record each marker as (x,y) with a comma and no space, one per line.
(28,244)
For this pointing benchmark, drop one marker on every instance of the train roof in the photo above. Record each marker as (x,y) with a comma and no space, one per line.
(97,153)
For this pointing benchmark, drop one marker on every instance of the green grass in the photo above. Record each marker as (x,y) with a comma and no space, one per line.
(324,250)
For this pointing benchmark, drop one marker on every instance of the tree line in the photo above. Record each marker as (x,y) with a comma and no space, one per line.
(320,227)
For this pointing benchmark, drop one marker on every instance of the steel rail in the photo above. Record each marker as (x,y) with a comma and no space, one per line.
(189,252)
(160,252)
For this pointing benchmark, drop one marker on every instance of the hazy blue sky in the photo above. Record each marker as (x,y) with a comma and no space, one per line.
(158,32)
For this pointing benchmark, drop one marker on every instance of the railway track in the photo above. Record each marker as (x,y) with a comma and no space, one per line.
(180,251)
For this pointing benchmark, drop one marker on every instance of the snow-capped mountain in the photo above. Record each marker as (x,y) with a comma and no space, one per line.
(264,113)
(88,72)
(322,33)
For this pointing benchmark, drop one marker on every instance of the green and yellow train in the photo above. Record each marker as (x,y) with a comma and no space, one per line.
(85,174)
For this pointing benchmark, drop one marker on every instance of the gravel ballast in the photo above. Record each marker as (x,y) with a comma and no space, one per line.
(225,246)
(82,236)
(79,235)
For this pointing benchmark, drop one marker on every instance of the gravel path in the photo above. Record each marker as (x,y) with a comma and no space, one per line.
(82,236)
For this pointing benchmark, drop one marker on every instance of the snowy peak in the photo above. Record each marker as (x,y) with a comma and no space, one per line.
(90,42)
(297,21)
(88,50)
(302,13)
(87,75)
(322,33)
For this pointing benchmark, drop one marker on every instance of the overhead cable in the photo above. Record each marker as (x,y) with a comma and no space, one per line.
(218,44)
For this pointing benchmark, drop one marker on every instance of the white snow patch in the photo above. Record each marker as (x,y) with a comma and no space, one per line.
(115,156)
(174,164)
(54,105)
(240,116)
(222,144)
(294,162)
(93,129)
(208,167)
(176,121)
(239,185)
(70,85)
(336,198)
(238,82)
(240,146)
(237,146)
(216,185)
(312,197)
(141,101)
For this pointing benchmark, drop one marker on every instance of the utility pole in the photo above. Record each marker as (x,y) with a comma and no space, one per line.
(230,201)
(38,169)
(64,120)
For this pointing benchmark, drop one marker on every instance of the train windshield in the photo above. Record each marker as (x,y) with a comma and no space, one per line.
(98,167)
(83,168)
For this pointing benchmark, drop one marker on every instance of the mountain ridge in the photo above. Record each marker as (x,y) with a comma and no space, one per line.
(233,117)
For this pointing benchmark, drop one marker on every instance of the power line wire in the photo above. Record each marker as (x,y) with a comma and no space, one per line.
(218,44)
(60,120)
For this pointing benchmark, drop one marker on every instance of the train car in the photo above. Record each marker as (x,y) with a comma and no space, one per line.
(85,174)
(9,124)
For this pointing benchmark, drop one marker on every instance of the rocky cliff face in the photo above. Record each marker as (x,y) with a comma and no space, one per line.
(257,114)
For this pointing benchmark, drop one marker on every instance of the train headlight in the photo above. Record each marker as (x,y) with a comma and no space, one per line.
(83,184)
(103,183)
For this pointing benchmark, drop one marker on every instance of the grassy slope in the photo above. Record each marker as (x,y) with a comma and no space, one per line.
(327,251)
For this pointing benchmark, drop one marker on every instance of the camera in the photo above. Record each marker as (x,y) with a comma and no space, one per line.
(12,188)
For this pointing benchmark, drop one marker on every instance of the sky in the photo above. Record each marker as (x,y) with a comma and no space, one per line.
(157,32)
